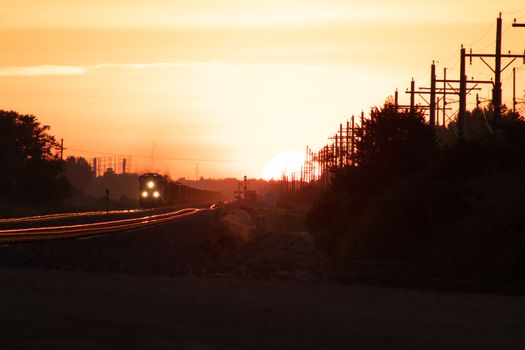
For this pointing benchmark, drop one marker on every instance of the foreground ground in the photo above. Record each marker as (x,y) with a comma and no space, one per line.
(51,309)
(175,286)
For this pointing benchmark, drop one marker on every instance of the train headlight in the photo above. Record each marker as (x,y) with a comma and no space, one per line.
(151,184)
(144,194)
(156,194)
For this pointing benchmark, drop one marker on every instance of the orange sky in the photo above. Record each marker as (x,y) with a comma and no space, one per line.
(228,84)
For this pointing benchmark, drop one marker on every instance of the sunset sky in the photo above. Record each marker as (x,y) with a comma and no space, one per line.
(228,84)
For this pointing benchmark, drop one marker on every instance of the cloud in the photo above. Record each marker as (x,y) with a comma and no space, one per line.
(42,70)
(66,70)
(154,65)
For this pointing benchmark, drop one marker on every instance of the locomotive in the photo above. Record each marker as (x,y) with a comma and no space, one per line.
(152,190)
(156,190)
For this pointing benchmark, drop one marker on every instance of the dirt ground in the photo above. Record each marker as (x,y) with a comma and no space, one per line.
(80,310)
(244,283)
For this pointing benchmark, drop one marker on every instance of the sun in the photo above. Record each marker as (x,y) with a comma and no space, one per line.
(285,163)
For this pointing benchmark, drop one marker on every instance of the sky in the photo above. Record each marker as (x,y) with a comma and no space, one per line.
(226,85)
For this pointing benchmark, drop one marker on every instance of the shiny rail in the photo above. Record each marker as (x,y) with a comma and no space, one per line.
(91,229)
(61,216)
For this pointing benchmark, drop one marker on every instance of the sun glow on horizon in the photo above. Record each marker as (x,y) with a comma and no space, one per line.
(283,164)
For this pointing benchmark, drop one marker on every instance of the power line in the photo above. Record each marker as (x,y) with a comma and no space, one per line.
(165,158)
(483,35)
(514,12)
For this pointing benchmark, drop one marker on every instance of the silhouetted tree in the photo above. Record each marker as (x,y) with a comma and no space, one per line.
(391,145)
(78,172)
(31,168)
(458,208)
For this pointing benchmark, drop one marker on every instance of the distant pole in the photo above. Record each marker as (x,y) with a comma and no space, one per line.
(306,162)
(307,169)
(477,101)
(514,90)
(333,151)
(496,95)
(353,140)
(322,163)
(197,172)
(61,149)
(444,95)
(347,143)
(396,100)
(336,160)
(312,167)
(432,94)
(462,94)
(341,155)
(412,95)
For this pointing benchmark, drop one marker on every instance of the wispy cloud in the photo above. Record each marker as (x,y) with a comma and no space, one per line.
(153,65)
(65,70)
(42,70)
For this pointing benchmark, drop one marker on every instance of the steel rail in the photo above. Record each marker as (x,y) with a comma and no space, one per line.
(60,216)
(79,230)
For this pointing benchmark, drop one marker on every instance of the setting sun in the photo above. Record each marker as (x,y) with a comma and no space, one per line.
(286,163)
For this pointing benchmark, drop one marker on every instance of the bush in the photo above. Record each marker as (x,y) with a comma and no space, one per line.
(460,206)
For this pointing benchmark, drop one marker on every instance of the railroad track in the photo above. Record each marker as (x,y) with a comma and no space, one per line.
(61,216)
(91,229)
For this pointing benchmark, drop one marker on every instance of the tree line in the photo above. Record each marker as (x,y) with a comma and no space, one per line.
(420,194)
(32,172)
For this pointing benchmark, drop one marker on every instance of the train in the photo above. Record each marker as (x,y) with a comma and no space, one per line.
(156,190)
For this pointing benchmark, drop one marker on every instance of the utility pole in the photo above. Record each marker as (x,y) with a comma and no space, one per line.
(95,167)
(514,101)
(432,94)
(396,99)
(449,89)
(413,92)
(412,95)
(341,145)
(444,95)
(336,154)
(61,149)
(347,143)
(306,166)
(353,140)
(496,99)
(462,94)
(496,92)
(514,90)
